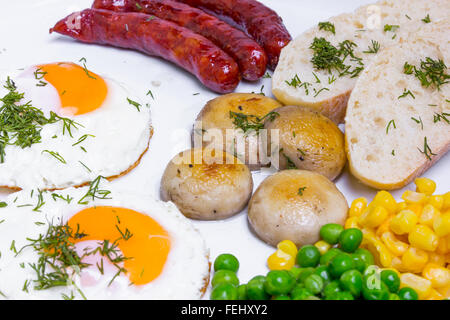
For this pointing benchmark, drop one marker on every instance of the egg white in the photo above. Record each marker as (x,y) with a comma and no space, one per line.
(121,135)
(184,275)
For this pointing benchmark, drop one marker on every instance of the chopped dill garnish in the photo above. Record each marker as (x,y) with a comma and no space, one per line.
(300,190)
(248,122)
(389,124)
(406,93)
(134,103)
(149,92)
(437,117)
(328,57)
(426,149)
(85,166)
(327,26)
(3,204)
(390,27)
(40,202)
(267,75)
(67,199)
(427,19)
(319,91)
(21,124)
(375,47)
(430,72)
(56,155)
(295,81)
(86,69)
(82,138)
(94,192)
(418,121)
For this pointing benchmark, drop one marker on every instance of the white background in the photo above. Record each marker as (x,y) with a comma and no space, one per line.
(25,41)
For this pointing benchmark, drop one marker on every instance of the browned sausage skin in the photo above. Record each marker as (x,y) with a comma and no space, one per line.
(249,55)
(156,37)
(260,22)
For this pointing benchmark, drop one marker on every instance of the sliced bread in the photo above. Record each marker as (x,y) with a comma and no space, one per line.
(396,127)
(356,37)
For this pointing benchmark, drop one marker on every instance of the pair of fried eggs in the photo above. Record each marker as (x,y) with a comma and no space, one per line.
(166,258)
(109,132)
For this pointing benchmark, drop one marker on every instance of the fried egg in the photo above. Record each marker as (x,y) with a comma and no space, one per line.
(71,125)
(97,242)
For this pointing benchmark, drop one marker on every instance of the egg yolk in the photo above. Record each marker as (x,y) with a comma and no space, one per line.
(80,90)
(143,241)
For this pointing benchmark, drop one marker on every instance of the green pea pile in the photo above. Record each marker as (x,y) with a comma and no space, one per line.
(344,272)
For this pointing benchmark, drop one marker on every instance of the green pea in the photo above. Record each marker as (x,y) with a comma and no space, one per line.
(391,280)
(224,291)
(305,273)
(350,239)
(365,255)
(323,272)
(331,232)
(314,283)
(331,288)
(279,282)
(300,293)
(394,296)
(360,265)
(308,256)
(341,295)
(328,256)
(242,292)
(408,293)
(226,261)
(227,276)
(295,272)
(374,290)
(255,289)
(281,297)
(340,263)
(351,281)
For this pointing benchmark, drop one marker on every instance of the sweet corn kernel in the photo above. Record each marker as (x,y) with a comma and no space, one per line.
(373,216)
(435,295)
(380,252)
(396,247)
(421,285)
(414,197)
(351,222)
(445,292)
(416,208)
(384,227)
(357,207)
(323,246)
(423,237)
(425,185)
(288,247)
(437,201)
(436,258)
(428,215)
(414,260)
(401,206)
(444,245)
(396,263)
(404,222)
(368,236)
(280,260)
(446,204)
(439,276)
(441,225)
(386,200)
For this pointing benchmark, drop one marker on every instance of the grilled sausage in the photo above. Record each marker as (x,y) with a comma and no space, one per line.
(249,55)
(156,37)
(257,20)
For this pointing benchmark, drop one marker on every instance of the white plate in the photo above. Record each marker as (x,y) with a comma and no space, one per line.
(25,41)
